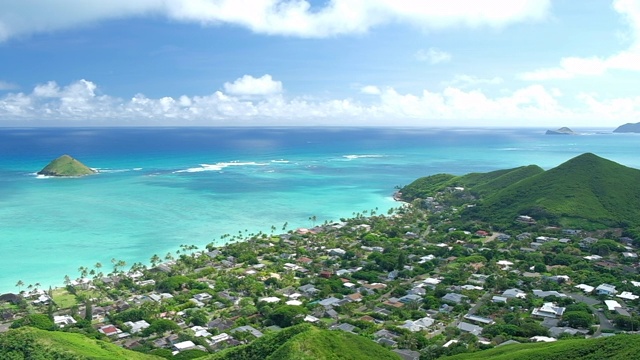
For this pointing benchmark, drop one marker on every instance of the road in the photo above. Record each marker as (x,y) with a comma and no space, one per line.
(605,324)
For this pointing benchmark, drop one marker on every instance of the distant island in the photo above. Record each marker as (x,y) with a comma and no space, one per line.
(628,128)
(65,166)
(561,131)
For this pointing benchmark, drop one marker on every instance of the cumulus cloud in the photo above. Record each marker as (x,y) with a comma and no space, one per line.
(273,17)
(628,59)
(433,56)
(370,90)
(81,102)
(248,85)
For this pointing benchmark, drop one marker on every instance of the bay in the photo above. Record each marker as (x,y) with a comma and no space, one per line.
(159,188)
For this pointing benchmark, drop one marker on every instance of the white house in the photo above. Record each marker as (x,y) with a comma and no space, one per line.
(549,310)
(606,289)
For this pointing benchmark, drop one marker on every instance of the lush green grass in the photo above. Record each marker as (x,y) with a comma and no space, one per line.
(63,298)
(30,343)
(304,342)
(621,347)
(65,165)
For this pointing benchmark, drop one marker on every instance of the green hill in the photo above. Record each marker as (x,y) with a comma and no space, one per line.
(65,165)
(31,343)
(306,342)
(585,190)
(619,347)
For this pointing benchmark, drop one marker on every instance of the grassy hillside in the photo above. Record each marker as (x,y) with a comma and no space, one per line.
(303,342)
(65,165)
(31,343)
(585,191)
(619,347)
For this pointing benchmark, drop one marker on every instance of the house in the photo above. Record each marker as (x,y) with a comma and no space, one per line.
(410,298)
(110,330)
(184,345)
(479,319)
(454,298)
(556,331)
(586,288)
(336,252)
(63,320)
(418,291)
(503,237)
(202,297)
(542,339)
(328,301)
(606,289)
(247,328)
(346,327)
(311,319)
(514,293)
(588,241)
(418,325)
(308,290)
(504,264)
(137,326)
(544,294)
(612,305)
(407,354)
(499,299)
(628,296)
(220,324)
(199,331)
(548,309)
(431,282)
(470,328)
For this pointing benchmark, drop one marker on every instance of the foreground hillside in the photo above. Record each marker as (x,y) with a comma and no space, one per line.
(620,347)
(306,342)
(31,343)
(583,191)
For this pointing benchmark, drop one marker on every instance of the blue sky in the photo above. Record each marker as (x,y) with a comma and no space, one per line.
(340,62)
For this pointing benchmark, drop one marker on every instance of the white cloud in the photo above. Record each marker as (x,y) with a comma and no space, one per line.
(273,17)
(628,59)
(248,85)
(463,80)
(370,90)
(81,102)
(433,56)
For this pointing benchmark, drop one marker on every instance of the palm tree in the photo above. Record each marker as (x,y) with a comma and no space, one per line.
(155,260)
(20,284)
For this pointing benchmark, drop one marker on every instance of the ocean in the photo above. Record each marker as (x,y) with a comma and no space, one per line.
(159,188)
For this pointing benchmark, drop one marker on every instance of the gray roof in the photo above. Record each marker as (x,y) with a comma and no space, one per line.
(470,328)
(453,297)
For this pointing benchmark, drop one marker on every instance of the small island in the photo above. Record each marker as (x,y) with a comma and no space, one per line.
(628,128)
(66,166)
(561,131)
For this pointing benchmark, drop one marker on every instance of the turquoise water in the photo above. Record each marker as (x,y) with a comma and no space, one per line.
(160,188)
